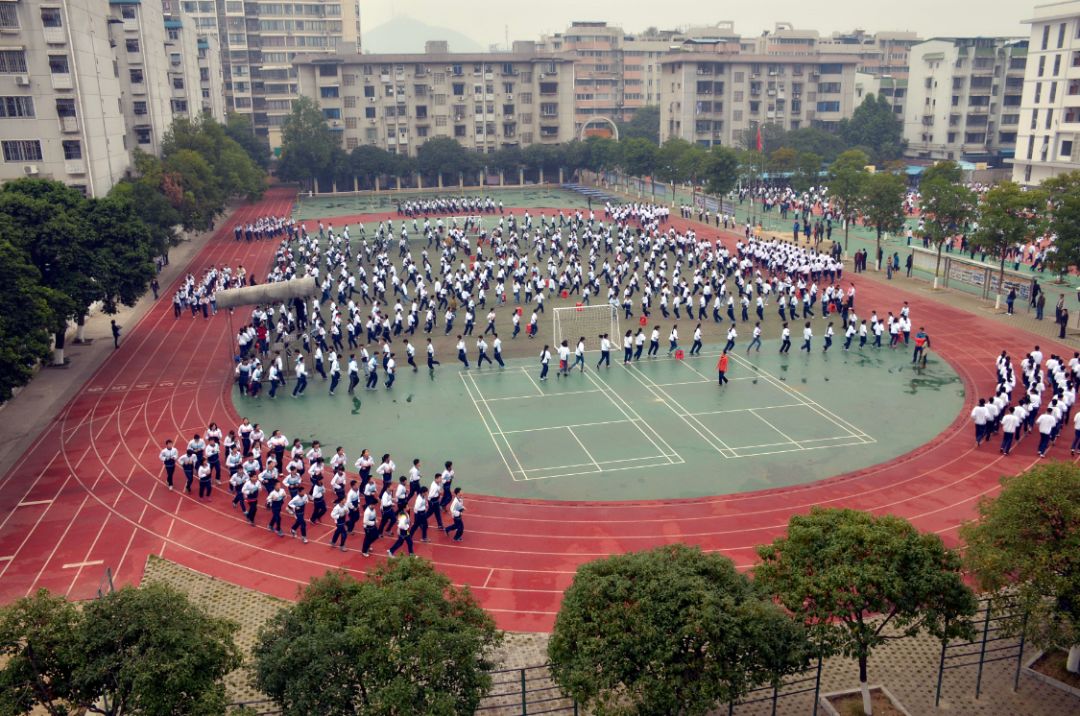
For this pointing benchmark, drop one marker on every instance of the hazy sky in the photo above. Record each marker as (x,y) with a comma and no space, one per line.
(487,21)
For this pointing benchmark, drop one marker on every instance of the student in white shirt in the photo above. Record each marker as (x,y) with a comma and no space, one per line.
(695,347)
(1046,422)
(807,335)
(564,360)
(979,416)
(755,342)
(605,351)
(169,456)
(785,339)
(404,527)
(371,532)
(297,506)
(339,514)
(545,358)
(457,506)
(1010,423)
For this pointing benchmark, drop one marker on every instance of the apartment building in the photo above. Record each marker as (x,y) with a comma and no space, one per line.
(716,96)
(1048,129)
(142,62)
(195,74)
(259,41)
(964,96)
(485,101)
(211,77)
(61,114)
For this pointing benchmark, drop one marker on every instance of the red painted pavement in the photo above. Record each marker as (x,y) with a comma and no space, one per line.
(89,493)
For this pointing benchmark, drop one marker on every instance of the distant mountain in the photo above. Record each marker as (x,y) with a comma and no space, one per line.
(406,34)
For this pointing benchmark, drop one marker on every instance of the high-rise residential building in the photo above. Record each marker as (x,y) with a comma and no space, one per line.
(137,33)
(964,96)
(211,77)
(195,72)
(485,101)
(1047,123)
(259,41)
(718,92)
(61,101)
(615,73)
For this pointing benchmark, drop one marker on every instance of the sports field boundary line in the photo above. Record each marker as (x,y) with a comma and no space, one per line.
(696,425)
(624,407)
(587,453)
(483,419)
(808,402)
(572,425)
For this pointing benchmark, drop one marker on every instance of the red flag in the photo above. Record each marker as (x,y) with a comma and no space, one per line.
(759,146)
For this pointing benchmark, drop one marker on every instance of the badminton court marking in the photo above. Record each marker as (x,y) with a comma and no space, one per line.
(661,454)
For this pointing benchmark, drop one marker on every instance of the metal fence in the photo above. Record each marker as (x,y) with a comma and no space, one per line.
(526,691)
(994,643)
(807,681)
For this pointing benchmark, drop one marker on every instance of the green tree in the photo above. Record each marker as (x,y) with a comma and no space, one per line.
(307,144)
(192,187)
(782,160)
(875,124)
(858,581)
(604,153)
(825,144)
(26,317)
(241,130)
(720,170)
(1008,216)
(807,171)
(147,651)
(1025,548)
(369,162)
(645,124)
(668,166)
(947,205)
(445,158)
(144,190)
(236,173)
(1063,221)
(152,651)
(638,157)
(882,205)
(37,655)
(668,631)
(403,641)
(846,176)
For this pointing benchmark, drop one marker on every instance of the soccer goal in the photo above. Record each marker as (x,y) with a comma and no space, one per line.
(468,224)
(573,322)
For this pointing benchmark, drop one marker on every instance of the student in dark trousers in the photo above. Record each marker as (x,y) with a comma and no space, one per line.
(115,334)
(250,492)
(187,464)
(339,514)
(420,514)
(457,506)
(371,532)
(169,456)
(298,505)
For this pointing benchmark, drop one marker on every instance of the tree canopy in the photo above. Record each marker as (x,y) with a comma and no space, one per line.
(1008,216)
(671,630)
(882,202)
(846,177)
(403,641)
(874,124)
(307,144)
(857,581)
(947,205)
(645,124)
(1027,541)
(148,651)
(1062,194)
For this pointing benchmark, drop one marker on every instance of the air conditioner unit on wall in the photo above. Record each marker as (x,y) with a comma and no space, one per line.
(31,169)
(22,80)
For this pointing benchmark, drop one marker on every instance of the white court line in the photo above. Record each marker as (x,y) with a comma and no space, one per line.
(77,565)
(602,463)
(612,394)
(483,419)
(812,447)
(560,427)
(701,382)
(703,376)
(29,503)
(585,449)
(535,384)
(809,402)
(7,558)
(533,397)
(743,410)
(498,430)
(697,426)
(595,472)
(781,432)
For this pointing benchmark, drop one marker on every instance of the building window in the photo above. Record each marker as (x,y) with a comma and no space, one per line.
(142,135)
(328,92)
(331,113)
(58,64)
(1057,65)
(139,108)
(132,44)
(50,17)
(22,150)
(1042,65)
(12,60)
(65,107)
(178,83)
(350,102)
(1046,36)
(180,106)
(369,91)
(127,12)
(828,106)
(9,19)
(136,75)
(369,112)
(72,149)
(350,142)
(17,107)
(327,70)
(1061,35)
(1066,147)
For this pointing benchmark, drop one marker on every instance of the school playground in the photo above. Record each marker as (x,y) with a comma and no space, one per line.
(555,473)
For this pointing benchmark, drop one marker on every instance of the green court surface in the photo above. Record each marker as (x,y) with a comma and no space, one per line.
(318,207)
(661,428)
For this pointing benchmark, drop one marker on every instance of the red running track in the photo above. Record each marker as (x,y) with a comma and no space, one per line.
(89,493)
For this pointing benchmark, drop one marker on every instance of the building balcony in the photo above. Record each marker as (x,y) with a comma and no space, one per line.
(62,81)
(54,35)
(131,24)
(69,124)
(74,166)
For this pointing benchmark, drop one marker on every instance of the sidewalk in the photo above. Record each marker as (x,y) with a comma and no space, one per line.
(24,416)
